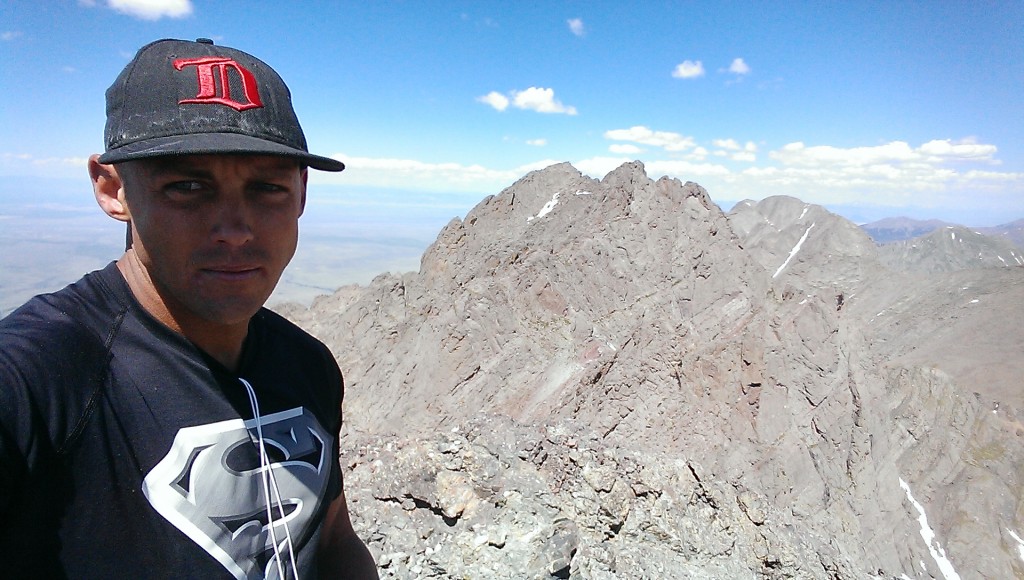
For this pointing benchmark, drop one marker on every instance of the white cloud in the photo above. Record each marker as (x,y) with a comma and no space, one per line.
(899,152)
(400,173)
(688,69)
(893,174)
(29,164)
(731,149)
(685,170)
(975,175)
(799,154)
(534,166)
(403,173)
(152,9)
(598,167)
(541,100)
(624,149)
(8,35)
(639,134)
(739,67)
(28,158)
(946,149)
(495,99)
(576,26)
(537,99)
(537,142)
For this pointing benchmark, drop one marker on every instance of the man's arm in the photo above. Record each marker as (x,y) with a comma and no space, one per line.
(341,553)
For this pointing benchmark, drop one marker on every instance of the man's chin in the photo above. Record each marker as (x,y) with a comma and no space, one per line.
(228,311)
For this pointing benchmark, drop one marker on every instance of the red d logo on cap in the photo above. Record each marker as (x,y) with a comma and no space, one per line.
(207,80)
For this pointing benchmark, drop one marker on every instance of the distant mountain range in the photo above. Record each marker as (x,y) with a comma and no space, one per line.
(903,228)
(949,249)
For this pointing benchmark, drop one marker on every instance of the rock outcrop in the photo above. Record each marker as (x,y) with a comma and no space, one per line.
(615,379)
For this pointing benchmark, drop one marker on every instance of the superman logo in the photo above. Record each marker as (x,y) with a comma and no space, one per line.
(209,486)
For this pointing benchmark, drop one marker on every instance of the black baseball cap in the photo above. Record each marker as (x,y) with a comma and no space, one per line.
(179,97)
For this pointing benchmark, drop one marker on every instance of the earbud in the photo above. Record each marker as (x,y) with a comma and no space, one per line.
(269,479)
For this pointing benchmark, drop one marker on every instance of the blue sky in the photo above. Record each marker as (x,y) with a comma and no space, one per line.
(873,109)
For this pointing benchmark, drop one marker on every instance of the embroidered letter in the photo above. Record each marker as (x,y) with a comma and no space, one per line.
(205,67)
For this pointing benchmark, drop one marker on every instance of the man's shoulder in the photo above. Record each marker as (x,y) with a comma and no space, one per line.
(53,350)
(79,313)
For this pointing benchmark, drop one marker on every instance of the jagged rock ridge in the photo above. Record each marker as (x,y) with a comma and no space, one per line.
(603,379)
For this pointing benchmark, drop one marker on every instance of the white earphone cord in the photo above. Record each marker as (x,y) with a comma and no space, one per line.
(269,478)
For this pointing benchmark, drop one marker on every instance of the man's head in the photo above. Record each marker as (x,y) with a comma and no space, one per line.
(206,162)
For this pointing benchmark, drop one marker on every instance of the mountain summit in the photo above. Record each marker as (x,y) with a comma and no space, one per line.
(613,378)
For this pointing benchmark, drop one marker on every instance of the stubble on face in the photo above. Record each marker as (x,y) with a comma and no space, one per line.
(211,234)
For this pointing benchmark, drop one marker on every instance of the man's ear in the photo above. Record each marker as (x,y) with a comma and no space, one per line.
(108,188)
(305,175)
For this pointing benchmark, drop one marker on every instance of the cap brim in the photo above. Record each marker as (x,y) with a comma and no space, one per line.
(215,143)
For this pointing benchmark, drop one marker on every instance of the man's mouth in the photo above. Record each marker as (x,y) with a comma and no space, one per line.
(232,272)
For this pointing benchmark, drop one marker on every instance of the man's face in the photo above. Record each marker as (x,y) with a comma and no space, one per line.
(214,232)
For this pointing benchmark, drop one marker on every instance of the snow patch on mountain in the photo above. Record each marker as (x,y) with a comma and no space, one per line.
(547,207)
(928,535)
(793,252)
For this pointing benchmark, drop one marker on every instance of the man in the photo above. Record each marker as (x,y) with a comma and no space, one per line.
(155,419)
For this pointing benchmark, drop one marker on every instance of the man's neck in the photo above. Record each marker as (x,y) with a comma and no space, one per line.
(223,342)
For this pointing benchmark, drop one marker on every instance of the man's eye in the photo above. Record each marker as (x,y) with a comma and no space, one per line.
(185,187)
(271,192)
(268,187)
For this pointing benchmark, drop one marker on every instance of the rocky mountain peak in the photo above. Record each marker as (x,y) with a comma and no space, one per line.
(802,241)
(612,378)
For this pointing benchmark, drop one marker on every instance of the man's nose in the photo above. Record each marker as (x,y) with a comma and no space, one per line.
(234,223)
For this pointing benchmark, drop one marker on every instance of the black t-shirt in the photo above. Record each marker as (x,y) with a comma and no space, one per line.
(127,452)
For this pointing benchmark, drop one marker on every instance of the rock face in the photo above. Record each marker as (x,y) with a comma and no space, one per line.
(614,379)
